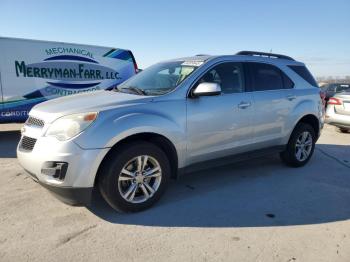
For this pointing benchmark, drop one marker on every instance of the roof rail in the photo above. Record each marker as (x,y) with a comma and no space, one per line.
(262,54)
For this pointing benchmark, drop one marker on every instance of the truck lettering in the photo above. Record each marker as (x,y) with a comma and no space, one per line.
(50,71)
(43,72)
(21,67)
(81,72)
(36,72)
(81,66)
(68,50)
(58,72)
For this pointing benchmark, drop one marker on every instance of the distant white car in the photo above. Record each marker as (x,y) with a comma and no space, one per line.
(33,71)
(338,111)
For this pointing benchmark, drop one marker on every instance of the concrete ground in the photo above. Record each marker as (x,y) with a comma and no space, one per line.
(258,210)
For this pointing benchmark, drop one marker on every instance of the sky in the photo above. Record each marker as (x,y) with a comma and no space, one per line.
(314,32)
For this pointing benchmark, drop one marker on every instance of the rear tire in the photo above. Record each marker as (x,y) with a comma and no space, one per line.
(300,147)
(134,176)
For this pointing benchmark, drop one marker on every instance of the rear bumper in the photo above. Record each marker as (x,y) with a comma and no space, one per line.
(337,120)
(341,125)
(77,196)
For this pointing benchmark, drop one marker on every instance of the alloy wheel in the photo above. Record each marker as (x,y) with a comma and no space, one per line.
(303,146)
(139,179)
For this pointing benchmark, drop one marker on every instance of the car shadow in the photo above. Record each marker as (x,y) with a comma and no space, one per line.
(255,193)
(8,143)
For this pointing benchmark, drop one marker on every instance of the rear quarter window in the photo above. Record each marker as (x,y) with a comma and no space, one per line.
(303,72)
(287,83)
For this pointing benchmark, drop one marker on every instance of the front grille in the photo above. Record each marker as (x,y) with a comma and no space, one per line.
(32,121)
(27,143)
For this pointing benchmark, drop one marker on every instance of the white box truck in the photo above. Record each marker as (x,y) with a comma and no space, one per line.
(33,71)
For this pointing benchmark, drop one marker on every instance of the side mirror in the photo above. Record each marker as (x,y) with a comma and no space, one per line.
(207,89)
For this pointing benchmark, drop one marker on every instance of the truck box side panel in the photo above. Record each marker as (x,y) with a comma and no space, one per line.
(35,71)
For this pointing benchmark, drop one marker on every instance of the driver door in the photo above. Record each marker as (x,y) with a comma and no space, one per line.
(218,126)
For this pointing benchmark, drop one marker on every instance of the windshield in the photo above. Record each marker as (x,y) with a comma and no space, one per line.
(158,79)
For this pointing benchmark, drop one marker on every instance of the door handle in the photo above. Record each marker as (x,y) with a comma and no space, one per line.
(291,97)
(244,105)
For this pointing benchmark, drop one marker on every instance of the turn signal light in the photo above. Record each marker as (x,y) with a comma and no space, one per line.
(90,117)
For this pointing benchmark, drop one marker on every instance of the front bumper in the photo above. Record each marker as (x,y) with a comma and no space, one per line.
(78,182)
(70,195)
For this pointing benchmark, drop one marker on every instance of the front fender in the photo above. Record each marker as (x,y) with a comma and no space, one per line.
(114,129)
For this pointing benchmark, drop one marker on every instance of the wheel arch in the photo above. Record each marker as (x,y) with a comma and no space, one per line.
(311,120)
(157,139)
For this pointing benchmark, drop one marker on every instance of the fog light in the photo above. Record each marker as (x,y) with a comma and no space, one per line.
(56,170)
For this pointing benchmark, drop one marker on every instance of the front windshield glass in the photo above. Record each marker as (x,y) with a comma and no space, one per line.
(159,79)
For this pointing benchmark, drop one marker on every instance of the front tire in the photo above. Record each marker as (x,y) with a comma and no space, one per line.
(300,146)
(134,176)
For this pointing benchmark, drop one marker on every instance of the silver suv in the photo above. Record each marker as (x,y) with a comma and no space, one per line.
(174,117)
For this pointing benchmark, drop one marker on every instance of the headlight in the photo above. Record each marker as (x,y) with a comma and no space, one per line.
(69,126)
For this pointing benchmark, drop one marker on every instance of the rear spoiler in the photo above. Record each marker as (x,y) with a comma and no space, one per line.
(262,54)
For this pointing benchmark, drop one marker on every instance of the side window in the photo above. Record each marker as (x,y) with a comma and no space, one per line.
(268,77)
(342,88)
(305,74)
(229,76)
(287,83)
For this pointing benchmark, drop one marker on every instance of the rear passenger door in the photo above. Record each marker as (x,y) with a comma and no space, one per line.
(269,96)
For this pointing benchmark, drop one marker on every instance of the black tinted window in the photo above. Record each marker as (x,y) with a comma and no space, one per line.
(229,76)
(287,83)
(342,88)
(305,74)
(266,77)
(332,88)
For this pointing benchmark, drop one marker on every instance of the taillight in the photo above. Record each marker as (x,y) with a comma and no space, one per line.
(335,101)
(134,62)
(135,68)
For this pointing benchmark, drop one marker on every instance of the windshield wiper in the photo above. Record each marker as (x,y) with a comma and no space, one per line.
(158,91)
(136,90)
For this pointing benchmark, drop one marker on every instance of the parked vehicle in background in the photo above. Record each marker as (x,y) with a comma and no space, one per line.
(171,118)
(338,111)
(33,71)
(331,90)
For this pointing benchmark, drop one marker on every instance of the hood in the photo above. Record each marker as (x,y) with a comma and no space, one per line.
(87,102)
